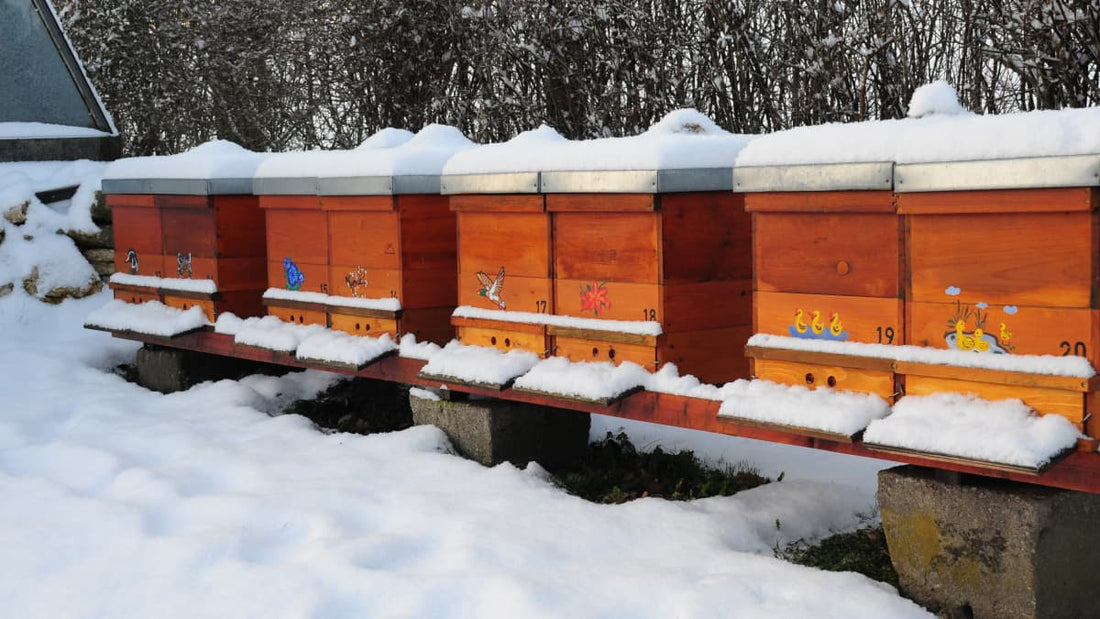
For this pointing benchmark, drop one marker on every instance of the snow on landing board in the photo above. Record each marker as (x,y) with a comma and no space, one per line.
(412,349)
(268,332)
(634,327)
(478,365)
(963,426)
(825,410)
(599,382)
(387,304)
(1049,365)
(343,350)
(205,286)
(150,318)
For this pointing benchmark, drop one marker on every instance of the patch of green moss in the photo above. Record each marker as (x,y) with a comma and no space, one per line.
(863,550)
(614,471)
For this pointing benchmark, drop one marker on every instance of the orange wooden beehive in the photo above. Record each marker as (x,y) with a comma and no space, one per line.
(1004,257)
(828,265)
(196,238)
(667,247)
(504,260)
(367,254)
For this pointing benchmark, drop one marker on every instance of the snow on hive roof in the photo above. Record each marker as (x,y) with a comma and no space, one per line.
(933,137)
(390,152)
(218,159)
(681,140)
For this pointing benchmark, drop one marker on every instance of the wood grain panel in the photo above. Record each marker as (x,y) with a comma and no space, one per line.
(582,349)
(130,295)
(625,301)
(187,231)
(301,235)
(878,382)
(714,356)
(1040,259)
(369,239)
(429,288)
(122,199)
(505,337)
(363,325)
(298,316)
(167,200)
(864,319)
(520,242)
(597,202)
(706,305)
(184,303)
(996,201)
(524,294)
(309,203)
(621,247)
(821,201)
(705,236)
(1068,404)
(137,228)
(841,254)
(358,203)
(240,227)
(429,233)
(235,274)
(1030,330)
(430,324)
(504,203)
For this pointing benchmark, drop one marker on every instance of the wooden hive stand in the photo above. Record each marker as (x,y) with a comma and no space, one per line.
(1002,258)
(827,246)
(666,247)
(189,229)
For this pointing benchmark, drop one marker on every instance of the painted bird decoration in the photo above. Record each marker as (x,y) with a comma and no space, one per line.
(132,259)
(294,276)
(491,288)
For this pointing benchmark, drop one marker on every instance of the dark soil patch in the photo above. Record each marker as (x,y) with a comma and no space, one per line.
(863,551)
(358,405)
(614,471)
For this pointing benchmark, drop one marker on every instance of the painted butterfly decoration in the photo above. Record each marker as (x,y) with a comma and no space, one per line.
(491,288)
(294,276)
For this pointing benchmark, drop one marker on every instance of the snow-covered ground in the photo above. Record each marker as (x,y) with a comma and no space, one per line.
(116,501)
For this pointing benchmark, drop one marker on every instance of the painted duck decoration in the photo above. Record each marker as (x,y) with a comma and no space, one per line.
(799,323)
(834,325)
(816,325)
(1005,334)
(491,288)
(965,341)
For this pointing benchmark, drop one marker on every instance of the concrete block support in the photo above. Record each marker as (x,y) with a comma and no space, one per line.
(170,369)
(494,431)
(980,547)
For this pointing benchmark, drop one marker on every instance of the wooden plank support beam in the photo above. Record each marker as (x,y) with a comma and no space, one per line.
(1078,470)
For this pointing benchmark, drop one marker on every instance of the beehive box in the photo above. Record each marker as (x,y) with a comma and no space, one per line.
(188,231)
(668,247)
(363,241)
(504,261)
(829,261)
(618,249)
(1003,259)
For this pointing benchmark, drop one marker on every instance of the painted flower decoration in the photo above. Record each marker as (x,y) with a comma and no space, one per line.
(294,276)
(594,297)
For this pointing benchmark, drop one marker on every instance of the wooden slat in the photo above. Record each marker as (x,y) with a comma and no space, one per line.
(601,202)
(135,200)
(997,466)
(873,320)
(820,358)
(290,202)
(996,201)
(179,201)
(1069,404)
(451,380)
(799,430)
(996,377)
(483,323)
(328,364)
(357,203)
(363,311)
(608,401)
(706,237)
(878,382)
(604,336)
(821,202)
(621,247)
(498,203)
